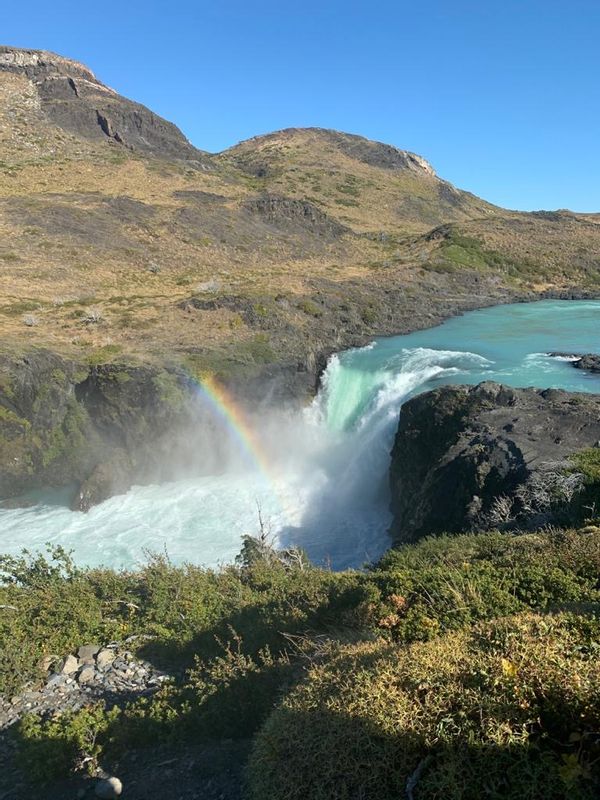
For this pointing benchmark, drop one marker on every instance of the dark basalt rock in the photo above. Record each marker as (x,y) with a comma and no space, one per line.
(101,428)
(291,214)
(107,479)
(590,362)
(75,100)
(459,448)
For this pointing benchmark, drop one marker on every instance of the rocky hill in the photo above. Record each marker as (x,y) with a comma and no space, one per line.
(108,213)
(122,243)
(71,97)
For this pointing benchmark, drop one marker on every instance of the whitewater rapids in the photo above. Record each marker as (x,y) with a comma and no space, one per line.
(325,484)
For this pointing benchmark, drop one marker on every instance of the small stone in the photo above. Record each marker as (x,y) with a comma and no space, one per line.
(46,662)
(56,680)
(105,658)
(67,665)
(86,675)
(87,652)
(109,788)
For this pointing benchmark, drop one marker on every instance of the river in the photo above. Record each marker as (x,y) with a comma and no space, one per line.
(320,475)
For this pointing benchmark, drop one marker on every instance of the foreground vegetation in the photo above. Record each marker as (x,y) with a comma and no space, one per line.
(450,661)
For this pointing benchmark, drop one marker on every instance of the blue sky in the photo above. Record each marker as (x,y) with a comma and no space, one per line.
(502,97)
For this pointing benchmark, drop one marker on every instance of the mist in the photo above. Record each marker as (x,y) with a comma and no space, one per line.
(319,474)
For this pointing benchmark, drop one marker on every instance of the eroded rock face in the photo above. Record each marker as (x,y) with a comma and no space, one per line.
(75,100)
(459,448)
(101,427)
(290,214)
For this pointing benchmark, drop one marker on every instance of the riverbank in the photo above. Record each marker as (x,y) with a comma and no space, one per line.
(65,421)
(319,474)
(243,641)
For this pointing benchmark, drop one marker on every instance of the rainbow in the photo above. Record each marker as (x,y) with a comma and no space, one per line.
(227,411)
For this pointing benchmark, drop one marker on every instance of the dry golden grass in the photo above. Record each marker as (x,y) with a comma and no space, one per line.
(91,225)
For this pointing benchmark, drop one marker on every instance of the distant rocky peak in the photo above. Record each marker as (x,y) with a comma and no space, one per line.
(75,100)
(41,64)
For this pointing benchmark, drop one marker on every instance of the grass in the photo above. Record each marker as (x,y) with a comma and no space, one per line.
(242,637)
(506,710)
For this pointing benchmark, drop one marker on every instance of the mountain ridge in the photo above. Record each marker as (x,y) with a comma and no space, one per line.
(126,252)
(73,97)
(275,251)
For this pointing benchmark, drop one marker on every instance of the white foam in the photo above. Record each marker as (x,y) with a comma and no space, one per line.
(328,490)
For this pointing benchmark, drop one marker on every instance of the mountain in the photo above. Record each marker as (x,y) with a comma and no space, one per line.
(366,184)
(120,241)
(71,97)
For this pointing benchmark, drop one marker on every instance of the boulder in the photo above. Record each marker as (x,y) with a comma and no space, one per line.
(460,450)
(108,788)
(86,675)
(105,658)
(87,652)
(68,665)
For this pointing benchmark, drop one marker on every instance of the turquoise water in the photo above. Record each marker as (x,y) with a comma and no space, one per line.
(327,488)
(506,344)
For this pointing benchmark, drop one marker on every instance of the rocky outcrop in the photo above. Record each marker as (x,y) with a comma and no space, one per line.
(110,477)
(459,449)
(589,362)
(291,215)
(99,428)
(75,100)
(378,154)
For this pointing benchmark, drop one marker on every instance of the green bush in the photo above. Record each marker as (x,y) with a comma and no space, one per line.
(48,608)
(72,741)
(239,638)
(507,711)
(587,462)
(445,583)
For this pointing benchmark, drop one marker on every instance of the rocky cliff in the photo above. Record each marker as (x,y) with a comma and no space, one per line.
(487,455)
(75,100)
(97,428)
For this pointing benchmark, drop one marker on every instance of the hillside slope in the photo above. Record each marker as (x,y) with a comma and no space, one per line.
(120,239)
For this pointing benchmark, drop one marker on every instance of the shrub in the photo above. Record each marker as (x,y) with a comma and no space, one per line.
(445,583)
(48,608)
(507,711)
(310,308)
(71,741)
(587,463)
